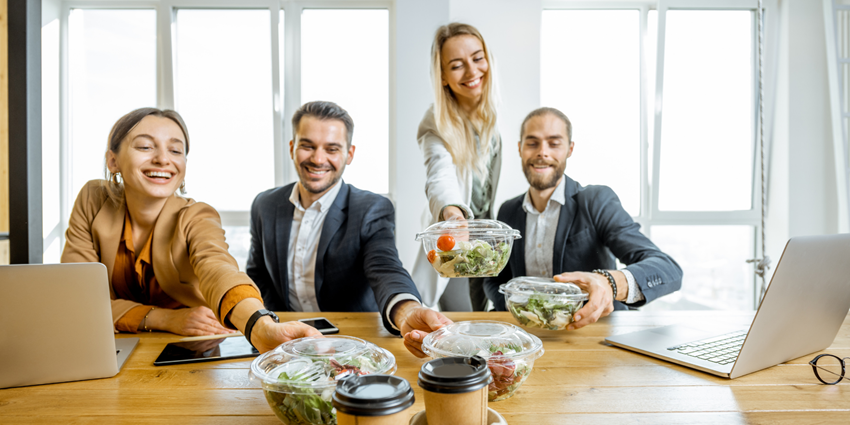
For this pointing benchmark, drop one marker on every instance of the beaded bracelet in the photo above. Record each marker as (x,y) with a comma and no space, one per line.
(145,320)
(610,280)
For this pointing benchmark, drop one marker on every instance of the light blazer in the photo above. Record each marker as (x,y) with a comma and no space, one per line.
(189,253)
(593,228)
(357,264)
(445,184)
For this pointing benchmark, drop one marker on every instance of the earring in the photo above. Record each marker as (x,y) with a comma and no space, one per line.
(183,188)
(115,178)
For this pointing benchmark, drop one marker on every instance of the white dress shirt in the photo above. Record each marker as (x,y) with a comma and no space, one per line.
(304,235)
(540,230)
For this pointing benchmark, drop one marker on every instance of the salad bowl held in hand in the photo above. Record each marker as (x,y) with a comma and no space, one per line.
(509,350)
(538,302)
(468,248)
(299,377)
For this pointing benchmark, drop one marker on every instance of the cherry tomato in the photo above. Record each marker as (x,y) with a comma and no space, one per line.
(445,243)
(432,255)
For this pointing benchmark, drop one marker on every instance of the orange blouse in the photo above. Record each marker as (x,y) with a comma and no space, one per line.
(133,279)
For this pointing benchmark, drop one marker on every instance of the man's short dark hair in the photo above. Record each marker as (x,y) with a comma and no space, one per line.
(543,111)
(323,110)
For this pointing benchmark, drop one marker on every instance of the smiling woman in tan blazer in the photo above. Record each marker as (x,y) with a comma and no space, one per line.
(166,255)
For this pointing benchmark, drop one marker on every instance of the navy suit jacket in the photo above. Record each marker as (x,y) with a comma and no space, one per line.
(357,264)
(593,228)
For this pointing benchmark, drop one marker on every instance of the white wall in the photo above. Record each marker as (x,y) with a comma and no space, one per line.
(50,10)
(512,31)
(802,194)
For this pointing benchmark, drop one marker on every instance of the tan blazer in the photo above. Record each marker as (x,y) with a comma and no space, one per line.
(190,258)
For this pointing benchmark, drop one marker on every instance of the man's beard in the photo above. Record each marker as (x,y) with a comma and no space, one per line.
(308,185)
(542,183)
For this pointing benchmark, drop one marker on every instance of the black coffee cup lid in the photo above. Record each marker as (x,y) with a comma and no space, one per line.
(454,375)
(372,395)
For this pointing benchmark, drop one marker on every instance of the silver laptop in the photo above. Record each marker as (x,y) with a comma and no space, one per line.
(804,307)
(56,325)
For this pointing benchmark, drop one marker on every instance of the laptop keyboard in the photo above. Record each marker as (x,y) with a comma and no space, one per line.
(722,349)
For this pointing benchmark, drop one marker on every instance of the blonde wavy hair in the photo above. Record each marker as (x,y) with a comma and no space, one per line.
(457,128)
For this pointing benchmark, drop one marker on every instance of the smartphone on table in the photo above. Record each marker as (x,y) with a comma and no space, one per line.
(321,324)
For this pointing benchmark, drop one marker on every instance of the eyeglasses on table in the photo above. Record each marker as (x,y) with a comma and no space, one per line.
(829,368)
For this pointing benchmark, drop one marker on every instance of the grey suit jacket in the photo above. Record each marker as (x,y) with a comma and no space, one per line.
(357,264)
(593,229)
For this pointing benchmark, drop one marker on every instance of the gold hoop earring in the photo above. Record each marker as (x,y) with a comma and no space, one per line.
(183,188)
(115,177)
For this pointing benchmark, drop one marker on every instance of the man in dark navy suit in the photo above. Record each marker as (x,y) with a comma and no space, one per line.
(322,245)
(574,233)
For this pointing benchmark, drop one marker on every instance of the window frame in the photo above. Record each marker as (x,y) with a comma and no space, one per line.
(166,18)
(650,215)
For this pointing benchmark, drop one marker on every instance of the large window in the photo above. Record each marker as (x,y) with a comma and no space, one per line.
(112,70)
(358,42)
(708,112)
(235,70)
(690,184)
(223,90)
(590,71)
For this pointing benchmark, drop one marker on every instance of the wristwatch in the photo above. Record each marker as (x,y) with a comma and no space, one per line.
(249,326)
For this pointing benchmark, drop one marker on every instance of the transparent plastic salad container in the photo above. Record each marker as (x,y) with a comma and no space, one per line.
(299,377)
(468,248)
(510,351)
(538,302)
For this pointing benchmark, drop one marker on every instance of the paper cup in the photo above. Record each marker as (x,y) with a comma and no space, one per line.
(455,390)
(373,400)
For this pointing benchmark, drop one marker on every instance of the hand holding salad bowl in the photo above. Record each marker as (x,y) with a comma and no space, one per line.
(468,248)
(600,302)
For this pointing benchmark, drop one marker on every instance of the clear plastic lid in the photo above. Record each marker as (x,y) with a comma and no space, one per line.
(525,286)
(473,228)
(317,362)
(483,338)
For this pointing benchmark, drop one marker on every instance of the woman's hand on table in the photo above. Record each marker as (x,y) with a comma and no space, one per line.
(193,321)
(267,334)
(416,323)
(600,302)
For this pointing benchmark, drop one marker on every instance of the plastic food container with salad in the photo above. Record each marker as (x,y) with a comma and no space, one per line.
(509,350)
(299,377)
(468,248)
(538,302)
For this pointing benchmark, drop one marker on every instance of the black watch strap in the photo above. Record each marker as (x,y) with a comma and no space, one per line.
(249,326)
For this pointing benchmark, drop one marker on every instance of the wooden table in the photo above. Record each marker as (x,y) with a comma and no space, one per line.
(578,380)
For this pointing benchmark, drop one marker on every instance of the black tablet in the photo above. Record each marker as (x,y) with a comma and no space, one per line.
(206,350)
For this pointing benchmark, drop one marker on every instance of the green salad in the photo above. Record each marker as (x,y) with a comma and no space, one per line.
(472,259)
(541,310)
(305,388)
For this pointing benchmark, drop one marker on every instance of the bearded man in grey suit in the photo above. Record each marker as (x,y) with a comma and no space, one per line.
(323,245)
(574,233)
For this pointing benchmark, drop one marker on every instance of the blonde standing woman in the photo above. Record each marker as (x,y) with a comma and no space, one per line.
(462,150)
(165,255)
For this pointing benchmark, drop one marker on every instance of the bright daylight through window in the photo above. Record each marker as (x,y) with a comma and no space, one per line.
(112,60)
(591,71)
(709,112)
(600,93)
(223,89)
(358,42)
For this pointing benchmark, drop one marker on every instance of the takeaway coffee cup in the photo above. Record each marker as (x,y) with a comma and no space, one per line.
(373,400)
(455,390)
